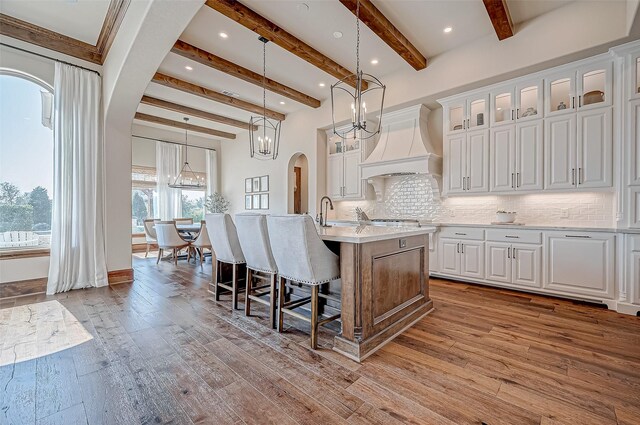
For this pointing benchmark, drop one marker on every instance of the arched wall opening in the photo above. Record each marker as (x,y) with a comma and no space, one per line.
(298,184)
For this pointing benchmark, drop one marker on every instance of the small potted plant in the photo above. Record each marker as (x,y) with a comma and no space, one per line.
(505,216)
(216,203)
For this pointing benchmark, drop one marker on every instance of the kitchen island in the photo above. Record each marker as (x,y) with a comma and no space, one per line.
(385,283)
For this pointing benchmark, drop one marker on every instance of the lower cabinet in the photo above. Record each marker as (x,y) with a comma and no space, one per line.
(461,257)
(519,264)
(580,263)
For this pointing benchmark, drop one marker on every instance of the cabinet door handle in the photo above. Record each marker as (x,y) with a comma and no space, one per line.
(460,234)
(573,177)
(512,115)
(468,183)
(518,113)
(462,248)
(517,179)
(464,186)
(512,180)
(513,254)
(573,102)
(578,236)
(512,237)
(580,101)
(509,253)
(458,247)
(580,175)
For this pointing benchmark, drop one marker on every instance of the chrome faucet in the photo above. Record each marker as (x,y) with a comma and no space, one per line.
(323,218)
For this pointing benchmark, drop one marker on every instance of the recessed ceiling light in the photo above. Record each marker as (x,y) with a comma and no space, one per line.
(321,84)
(374,61)
(188,68)
(337,34)
(447,30)
(282,102)
(223,35)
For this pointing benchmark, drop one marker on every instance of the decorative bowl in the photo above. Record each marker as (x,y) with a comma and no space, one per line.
(595,96)
(505,217)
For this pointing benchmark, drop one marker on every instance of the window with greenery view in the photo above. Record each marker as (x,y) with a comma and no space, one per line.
(26,164)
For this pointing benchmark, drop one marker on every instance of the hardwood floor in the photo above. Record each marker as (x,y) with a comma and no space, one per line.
(163,352)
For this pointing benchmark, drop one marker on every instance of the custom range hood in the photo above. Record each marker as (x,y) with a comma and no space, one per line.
(404,148)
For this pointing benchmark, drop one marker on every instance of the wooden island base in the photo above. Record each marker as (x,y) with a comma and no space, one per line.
(385,290)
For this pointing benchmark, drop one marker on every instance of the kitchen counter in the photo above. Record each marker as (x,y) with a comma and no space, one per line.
(368,233)
(538,227)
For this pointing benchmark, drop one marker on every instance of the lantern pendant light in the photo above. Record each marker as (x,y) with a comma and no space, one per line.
(358,98)
(186,178)
(264,133)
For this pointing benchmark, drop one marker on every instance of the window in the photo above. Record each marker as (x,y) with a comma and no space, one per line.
(144,197)
(26,162)
(193,204)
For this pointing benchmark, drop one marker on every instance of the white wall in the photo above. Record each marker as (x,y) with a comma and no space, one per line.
(538,44)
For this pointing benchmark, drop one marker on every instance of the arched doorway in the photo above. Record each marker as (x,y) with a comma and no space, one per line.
(298,186)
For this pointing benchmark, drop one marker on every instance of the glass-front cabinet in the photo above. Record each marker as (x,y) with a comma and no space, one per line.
(502,106)
(595,87)
(529,100)
(467,113)
(560,90)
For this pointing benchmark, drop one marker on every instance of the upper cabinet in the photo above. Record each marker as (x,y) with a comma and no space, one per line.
(516,102)
(583,88)
(469,113)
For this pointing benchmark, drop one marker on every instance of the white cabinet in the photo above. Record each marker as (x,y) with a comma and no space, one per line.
(580,263)
(579,150)
(516,157)
(335,175)
(461,257)
(468,113)
(518,264)
(344,179)
(633,128)
(467,160)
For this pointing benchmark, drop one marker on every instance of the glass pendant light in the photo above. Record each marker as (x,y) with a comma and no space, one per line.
(187,178)
(358,98)
(264,133)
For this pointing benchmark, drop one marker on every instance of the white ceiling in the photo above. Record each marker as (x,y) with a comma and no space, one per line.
(80,19)
(422,22)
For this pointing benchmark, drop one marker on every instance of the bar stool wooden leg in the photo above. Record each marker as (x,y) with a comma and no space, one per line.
(272,302)
(234,286)
(247,292)
(175,256)
(159,255)
(314,316)
(281,291)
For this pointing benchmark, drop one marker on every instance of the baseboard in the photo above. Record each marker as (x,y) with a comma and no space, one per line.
(628,308)
(120,276)
(23,288)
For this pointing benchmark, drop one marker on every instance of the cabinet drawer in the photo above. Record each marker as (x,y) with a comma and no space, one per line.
(462,233)
(514,236)
(635,243)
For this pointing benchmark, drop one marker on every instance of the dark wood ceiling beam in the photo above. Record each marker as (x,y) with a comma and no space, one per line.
(500,17)
(110,26)
(24,31)
(197,90)
(186,110)
(383,28)
(272,32)
(216,62)
(177,124)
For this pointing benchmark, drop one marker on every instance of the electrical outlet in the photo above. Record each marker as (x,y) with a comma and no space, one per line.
(564,212)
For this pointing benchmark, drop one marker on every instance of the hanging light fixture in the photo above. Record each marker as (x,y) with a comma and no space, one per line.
(187,178)
(358,96)
(264,133)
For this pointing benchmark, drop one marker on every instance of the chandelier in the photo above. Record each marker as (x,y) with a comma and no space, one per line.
(359,88)
(186,178)
(264,133)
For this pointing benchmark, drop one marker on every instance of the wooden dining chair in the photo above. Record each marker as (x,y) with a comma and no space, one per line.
(302,257)
(150,235)
(201,242)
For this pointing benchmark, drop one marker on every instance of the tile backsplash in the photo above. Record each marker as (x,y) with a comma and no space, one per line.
(412,197)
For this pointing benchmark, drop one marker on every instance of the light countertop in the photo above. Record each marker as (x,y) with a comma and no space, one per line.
(539,227)
(365,233)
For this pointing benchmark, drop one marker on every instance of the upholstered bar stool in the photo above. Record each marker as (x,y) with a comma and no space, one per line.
(226,247)
(169,238)
(261,266)
(302,257)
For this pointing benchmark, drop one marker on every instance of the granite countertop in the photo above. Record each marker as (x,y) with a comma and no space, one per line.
(366,233)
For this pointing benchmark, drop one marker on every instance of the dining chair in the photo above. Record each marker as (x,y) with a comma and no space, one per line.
(169,238)
(227,249)
(201,242)
(149,234)
(261,266)
(183,220)
(302,257)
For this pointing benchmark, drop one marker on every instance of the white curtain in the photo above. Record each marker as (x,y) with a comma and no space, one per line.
(212,172)
(77,229)
(168,165)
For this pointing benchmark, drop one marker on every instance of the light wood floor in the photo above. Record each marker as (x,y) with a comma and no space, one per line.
(162,352)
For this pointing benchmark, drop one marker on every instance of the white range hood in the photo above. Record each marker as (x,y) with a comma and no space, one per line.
(404,148)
